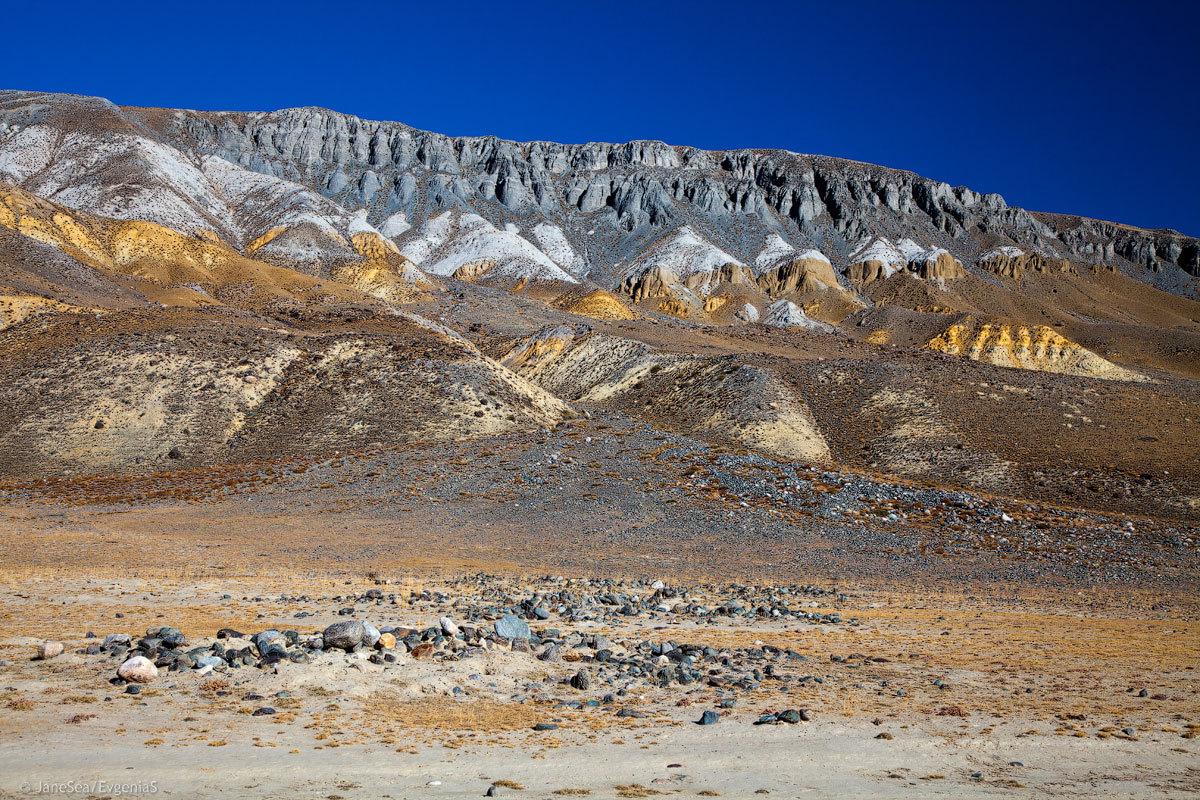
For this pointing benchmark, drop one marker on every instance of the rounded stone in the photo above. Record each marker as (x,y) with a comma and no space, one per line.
(370,634)
(138,669)
(510,627)
(50,650)
(344,635)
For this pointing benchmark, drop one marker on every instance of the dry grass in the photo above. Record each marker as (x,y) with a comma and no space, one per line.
(507,784)
(951,711)
(443,713)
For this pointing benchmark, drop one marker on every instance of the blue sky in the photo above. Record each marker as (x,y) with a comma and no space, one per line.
(1087,108)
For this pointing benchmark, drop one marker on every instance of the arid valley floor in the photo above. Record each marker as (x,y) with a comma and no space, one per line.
(924,668)
(343,460)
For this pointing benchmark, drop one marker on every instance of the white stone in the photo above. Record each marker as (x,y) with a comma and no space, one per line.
(138,669)
(50,649)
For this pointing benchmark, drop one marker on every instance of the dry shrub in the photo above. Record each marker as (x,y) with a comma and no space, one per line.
(951,711)
(507,784)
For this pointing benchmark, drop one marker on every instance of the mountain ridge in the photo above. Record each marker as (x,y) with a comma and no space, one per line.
(610,202)
(763,299)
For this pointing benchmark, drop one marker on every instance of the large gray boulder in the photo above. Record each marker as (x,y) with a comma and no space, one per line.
(265,639)
(510,627)
(344,635)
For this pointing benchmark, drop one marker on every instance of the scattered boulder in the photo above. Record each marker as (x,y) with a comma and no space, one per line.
(510,627)
(48,650)
(344,635)
(264,640)
(138,669)
(116,639)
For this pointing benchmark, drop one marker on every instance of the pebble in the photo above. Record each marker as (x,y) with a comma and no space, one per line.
(708,718)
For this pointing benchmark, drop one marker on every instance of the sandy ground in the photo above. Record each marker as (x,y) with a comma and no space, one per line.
(833,760)
(1066,669)
(1033,680)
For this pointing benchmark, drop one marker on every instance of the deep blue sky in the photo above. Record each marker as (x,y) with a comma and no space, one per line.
(1090,108)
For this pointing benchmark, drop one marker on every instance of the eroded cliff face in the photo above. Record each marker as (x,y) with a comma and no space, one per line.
(303,185)
(1012,262)
(614,199)
(1036,348)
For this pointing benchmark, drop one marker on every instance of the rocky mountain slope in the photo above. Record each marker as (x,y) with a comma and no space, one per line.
(591,209)
(185,289)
